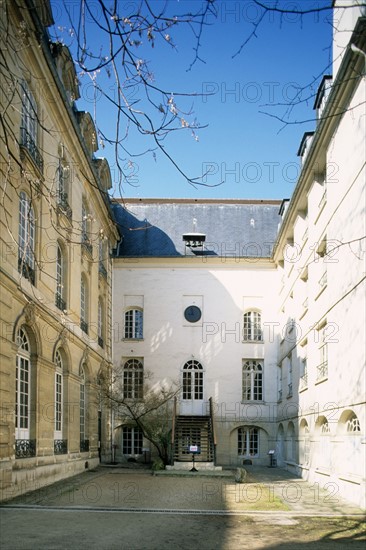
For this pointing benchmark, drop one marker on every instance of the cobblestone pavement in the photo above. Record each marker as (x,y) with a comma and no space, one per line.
(129,508)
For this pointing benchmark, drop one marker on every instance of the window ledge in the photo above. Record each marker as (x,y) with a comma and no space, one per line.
(320,380)
(246,401)
(323,472)
(133,339)
(252,341)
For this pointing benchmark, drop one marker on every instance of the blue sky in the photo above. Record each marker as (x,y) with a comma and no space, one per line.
(250,154)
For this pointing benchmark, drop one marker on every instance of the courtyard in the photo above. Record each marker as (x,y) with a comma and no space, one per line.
(129,508)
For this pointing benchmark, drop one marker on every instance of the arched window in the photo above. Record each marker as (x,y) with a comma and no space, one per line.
(134,324)
(84,304)
(353,425)
(252,330)
(248,441)
(60,444)
(84,442)
(100,323)
(60,279)
(324,455)
(192,380)
(290,455)
(304,446)
(22,386)
(133,379)
(26,238)
(252,381)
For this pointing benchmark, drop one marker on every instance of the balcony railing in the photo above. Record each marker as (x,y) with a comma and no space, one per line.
(322,371)
(102,270)
(63,205)
(84,326)
(25,448)
(100,342)
(84,445)
(28,143)
(59,302)
(60,446)
(86,244)
(26,270)
(303,381)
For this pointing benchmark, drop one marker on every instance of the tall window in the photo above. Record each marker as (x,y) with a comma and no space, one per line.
(252,381)
(84,299)
(26,238)
(133,379)
(60,279)
(100,323)
(289,376)
(22,386)
(248,441)
(252,326)
(322,368)
(103,255)
(58,395)
(84,442)
(131,441)
(29,125)
(193,380)
(134,324)
(63,188)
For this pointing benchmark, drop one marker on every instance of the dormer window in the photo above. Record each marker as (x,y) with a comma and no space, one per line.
(322,95)
(305,146)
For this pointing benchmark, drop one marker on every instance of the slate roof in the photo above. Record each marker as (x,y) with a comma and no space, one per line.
(233,228)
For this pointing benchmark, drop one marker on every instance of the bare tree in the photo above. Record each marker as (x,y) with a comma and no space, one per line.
(111,44)
(135,400)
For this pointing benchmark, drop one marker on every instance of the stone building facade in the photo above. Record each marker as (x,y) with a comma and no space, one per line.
(57,230)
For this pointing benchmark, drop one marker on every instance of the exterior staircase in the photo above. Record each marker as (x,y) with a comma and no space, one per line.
(193,430)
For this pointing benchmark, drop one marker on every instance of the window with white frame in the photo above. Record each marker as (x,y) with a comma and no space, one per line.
(132,439)
(29,125)
(322,368)
(82,408)
(60,279)
(252,385)
(63,187)
(353,425)
(252,329)
(324,456)
(100,323)
(279,383)
(289,376)
(26,242)
(84,304)
(103,255)
(22,386)
(134,324)
(193,380)
(248,441)
(58,395)
(133,379)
